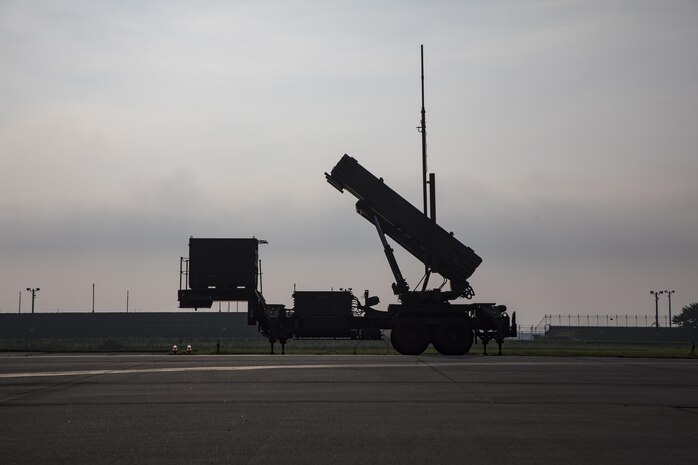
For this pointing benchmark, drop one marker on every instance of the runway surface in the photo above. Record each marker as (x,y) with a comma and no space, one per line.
(187,409)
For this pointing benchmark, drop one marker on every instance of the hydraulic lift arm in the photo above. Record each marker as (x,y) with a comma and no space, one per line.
(400,286)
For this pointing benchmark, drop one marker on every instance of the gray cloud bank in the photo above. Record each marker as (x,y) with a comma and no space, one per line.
(563,138)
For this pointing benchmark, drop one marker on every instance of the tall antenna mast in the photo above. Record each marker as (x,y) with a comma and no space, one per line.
(423,130)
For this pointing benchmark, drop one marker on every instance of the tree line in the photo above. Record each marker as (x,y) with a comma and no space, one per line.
(688,318)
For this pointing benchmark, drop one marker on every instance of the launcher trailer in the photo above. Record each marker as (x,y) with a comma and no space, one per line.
(228,269)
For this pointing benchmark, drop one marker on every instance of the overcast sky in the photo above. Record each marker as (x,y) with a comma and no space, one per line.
(564,137)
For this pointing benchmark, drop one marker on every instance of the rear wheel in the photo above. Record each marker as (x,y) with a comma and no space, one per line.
(453,337)
(410,338)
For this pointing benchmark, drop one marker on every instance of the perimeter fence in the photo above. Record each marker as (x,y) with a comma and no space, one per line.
(531,332)
(627,321)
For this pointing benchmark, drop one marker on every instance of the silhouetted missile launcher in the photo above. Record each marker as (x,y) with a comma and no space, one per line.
(227,269)
(425,315)
(398,219)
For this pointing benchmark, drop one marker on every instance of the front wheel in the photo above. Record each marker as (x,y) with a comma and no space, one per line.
(410,338)
(453,337)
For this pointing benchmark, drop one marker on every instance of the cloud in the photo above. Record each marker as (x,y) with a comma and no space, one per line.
(561,134)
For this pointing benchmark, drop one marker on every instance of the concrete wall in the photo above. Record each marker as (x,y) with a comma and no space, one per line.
(126,325)
(621,334)
(214,325)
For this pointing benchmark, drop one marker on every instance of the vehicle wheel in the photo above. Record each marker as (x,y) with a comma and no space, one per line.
(410,338)
(453,337)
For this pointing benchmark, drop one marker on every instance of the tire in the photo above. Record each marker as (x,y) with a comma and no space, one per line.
(453,337)
(410,338)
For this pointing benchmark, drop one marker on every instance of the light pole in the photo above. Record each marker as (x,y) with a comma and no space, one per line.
(33,290)
(656,307)
(668,293)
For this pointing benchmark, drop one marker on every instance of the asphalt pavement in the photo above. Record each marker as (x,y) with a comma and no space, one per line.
(188,409)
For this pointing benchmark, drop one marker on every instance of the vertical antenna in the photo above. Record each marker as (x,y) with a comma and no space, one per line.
(423,130)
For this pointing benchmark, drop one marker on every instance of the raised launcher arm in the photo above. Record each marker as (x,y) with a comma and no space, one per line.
(413,230)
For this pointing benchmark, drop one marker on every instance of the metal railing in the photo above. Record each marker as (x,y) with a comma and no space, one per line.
(528,332)
(625,321)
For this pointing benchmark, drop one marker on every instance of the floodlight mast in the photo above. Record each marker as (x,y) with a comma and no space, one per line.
(33,291)
(668,293)
(656,295)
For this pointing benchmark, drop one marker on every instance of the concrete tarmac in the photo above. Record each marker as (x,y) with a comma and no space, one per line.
(187,409)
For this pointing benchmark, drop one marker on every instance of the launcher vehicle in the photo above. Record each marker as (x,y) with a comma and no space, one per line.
(227,270)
